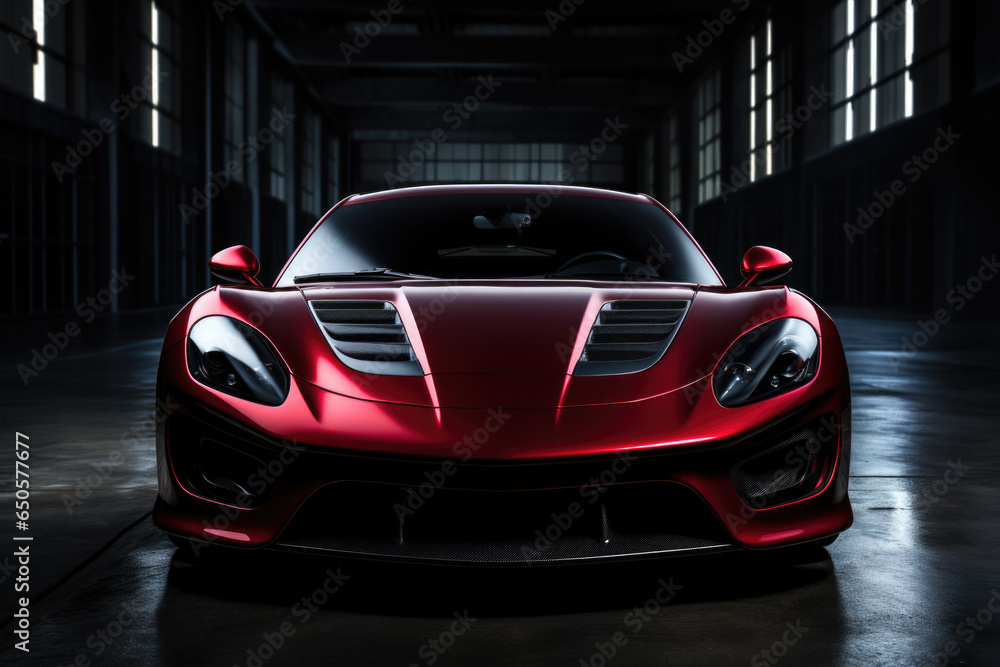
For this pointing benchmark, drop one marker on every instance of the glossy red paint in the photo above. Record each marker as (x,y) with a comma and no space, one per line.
(506,347)
(236,262)
(762,263)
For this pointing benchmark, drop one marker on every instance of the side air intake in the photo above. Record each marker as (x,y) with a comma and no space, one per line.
(367,336)
(630,336)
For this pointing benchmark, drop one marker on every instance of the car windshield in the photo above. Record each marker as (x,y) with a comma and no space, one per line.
(500,235)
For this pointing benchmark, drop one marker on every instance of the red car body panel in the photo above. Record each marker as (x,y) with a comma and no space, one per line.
(506,347)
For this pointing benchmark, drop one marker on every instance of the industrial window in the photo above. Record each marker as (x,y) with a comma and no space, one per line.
(872,62)
(235,95)
(674,166)
(769,102)
(649,182)
(399,163)
(332,172)
(161,124)
(17,62)
(309,163)
(708,114)
(281,94)
(49,70)
(44,52)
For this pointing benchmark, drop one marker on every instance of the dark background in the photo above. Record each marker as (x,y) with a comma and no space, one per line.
(563,70)
(92,183)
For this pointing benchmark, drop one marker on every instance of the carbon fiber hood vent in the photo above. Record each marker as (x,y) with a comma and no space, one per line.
(630,336)
(367,336)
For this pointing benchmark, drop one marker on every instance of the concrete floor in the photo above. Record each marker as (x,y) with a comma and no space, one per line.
(897,588)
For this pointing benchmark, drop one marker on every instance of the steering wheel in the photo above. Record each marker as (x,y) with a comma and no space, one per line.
(592,253)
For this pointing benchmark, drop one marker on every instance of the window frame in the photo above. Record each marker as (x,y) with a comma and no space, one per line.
(867,95)
(154,102)
(709,145)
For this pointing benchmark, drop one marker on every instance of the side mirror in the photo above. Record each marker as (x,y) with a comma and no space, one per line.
(237,265)
(762,264)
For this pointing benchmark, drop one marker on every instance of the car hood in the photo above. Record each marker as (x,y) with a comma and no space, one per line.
(515,344)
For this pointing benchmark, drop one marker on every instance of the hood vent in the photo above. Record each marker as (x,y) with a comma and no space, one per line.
(630,336)
(367,336)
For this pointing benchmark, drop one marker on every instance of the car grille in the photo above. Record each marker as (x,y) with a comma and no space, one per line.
(367,336)
(630,336)
(504,527)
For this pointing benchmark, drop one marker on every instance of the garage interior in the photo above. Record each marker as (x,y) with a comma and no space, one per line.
(138,137)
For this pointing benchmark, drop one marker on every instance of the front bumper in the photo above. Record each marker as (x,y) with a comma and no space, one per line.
(224,482)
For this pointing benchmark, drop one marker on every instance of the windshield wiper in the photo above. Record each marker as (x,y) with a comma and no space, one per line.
(605,275)
(495,251)
(362,274)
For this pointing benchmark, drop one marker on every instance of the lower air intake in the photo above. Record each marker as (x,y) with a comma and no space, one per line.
(785,468)
(516,527)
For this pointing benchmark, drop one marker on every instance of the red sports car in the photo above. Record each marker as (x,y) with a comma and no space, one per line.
(502,374)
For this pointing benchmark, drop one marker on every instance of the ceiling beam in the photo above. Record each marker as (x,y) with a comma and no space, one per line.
(620,10)
(403,91)
(484,53)
(422,121)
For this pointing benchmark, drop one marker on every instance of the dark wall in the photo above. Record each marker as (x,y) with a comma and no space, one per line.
(915,247)
(123,207)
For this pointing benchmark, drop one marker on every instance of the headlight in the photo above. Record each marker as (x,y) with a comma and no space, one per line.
(775,357)
(230,356)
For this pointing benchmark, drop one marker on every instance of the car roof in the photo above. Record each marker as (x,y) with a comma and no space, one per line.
(525,189)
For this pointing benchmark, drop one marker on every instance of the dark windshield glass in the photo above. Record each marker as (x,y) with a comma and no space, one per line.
(503,235)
